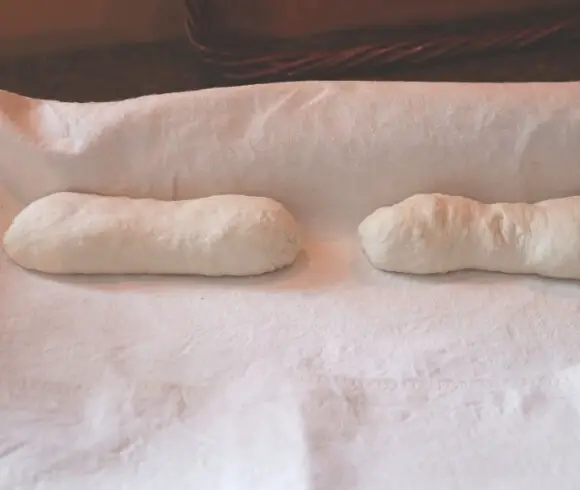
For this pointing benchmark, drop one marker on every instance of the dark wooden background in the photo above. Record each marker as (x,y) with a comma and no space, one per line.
(129,71)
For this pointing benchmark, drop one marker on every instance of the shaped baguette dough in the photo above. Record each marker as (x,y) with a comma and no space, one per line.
(435,233)
(69,233)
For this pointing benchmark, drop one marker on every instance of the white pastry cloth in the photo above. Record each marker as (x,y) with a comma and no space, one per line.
(331,375)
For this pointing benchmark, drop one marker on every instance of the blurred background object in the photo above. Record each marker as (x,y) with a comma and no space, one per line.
(115,49)
(275,40)
(37,26)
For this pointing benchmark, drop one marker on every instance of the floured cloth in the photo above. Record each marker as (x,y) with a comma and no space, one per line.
(330,375)
(332,152)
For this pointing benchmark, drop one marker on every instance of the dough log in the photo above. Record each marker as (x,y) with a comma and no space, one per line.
(224,235)
(435,233)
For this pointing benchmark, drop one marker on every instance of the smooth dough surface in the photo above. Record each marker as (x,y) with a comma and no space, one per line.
(435,233)
(70,233)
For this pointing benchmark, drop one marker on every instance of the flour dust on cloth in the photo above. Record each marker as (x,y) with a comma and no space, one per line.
(331,374)
(434,233)
(69,233)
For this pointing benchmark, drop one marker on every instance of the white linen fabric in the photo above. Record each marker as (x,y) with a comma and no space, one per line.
(330,375)
(332,152)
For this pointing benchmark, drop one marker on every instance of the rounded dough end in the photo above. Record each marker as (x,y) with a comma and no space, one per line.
(407,237)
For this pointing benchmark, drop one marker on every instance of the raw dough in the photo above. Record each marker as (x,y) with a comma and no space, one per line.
(69,233)
(435,233)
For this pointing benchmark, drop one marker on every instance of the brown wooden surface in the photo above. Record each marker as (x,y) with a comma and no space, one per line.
(41,26)
(130,71)
(297,18)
